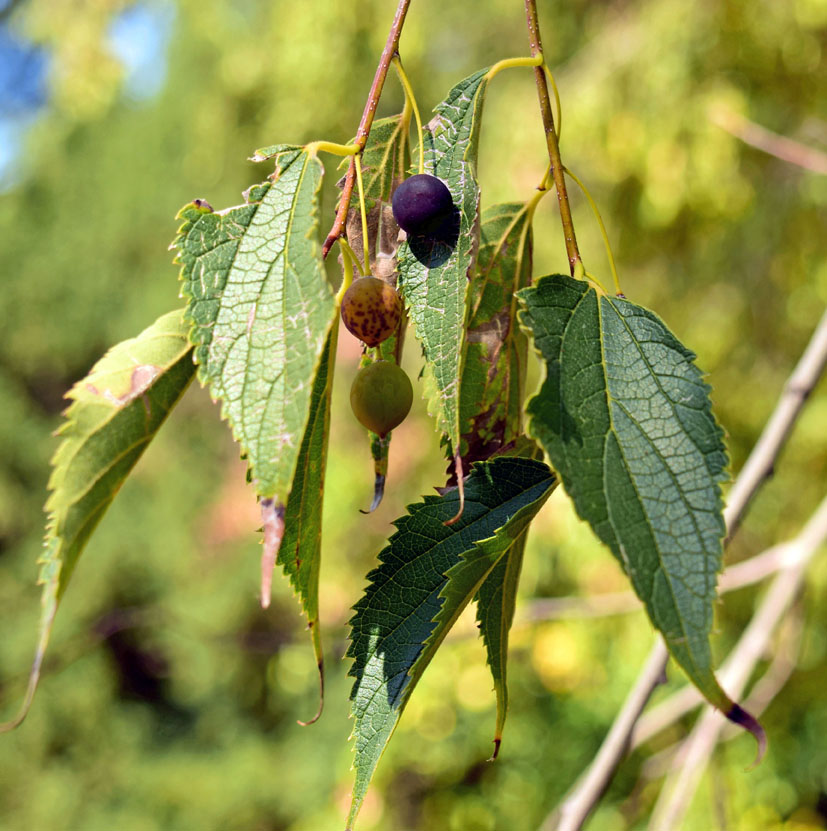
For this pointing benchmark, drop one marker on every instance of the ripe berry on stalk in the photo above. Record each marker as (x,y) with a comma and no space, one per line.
(422,204)
(371,309)
(381,397)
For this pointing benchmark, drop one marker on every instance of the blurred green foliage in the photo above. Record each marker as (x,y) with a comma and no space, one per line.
(169,698)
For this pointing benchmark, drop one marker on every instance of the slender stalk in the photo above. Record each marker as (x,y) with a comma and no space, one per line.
(551,137)
(511,63)
(363,212)
(603,232)
(316,147)
(410,101)
(391,47)
(557,106)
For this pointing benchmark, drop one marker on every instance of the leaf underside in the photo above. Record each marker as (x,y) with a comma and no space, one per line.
(496,602)
(300,551)
(114,414)
(427,575)
(264,330)
(625,417)
(436,295)
(261,310)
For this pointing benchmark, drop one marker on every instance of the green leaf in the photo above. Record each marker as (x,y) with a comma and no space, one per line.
(114,414)
(434,282)
(625,417)
(496,601)
(300,551)
(261,309)
(427,575)
(493,378)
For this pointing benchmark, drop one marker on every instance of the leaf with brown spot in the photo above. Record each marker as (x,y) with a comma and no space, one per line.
(114,414)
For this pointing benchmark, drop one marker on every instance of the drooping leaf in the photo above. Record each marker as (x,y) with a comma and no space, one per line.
(493,377)
(625,417)
(300,551)
(261,310)
(496,601)
(264,330)
(114,414)
(427,575)
(434,277)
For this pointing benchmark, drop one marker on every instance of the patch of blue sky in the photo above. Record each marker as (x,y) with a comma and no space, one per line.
(138,37)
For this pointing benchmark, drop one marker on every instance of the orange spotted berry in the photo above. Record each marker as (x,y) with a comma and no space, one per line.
(371,309)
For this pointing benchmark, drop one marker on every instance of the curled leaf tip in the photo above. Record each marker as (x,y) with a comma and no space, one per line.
(378,493)
(741,717)
(496,752)
(272,517)
(313,626)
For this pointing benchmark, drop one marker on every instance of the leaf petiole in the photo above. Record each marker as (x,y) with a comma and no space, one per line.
(603,232)
(349,261)
(316,147)
(410,101)
(511,63)
(557,105)
(365,242)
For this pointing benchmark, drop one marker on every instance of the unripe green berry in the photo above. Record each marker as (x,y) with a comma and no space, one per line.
(381,396)
(371,309)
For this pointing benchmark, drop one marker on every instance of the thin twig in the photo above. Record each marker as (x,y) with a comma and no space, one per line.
(763,457)
(682,783)
(391,48)
(557,169)
(599,774)
(580,801)
(786,149)
(746,573)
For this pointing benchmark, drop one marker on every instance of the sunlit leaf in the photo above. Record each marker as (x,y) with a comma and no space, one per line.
(427,575)
(261,309)
(496,601)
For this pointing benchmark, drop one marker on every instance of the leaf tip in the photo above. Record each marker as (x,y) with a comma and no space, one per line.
(378,493)
(738,715)
(318,714)
(496,752)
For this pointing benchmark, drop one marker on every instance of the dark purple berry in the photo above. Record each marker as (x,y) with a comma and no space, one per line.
(422,204)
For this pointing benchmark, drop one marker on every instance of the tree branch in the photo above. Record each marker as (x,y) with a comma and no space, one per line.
(769,142)
(682,783)
(746,573)
(582,798)
(391,48)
